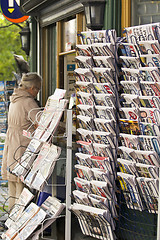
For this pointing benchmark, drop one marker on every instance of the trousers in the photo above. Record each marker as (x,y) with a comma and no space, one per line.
(14,191)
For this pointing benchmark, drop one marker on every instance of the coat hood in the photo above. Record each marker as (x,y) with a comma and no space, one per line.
(19,94)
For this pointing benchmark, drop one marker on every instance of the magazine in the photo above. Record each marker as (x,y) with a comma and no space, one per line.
(98,36)
(130,74)
(105,112)
(84,61)
(151,115)
(128,49)
(103,138)
(105,125)
(142,32)
(148,171)
(104,75)
(53,208)
(129,113)
(85,135)
(96,162)
(86,122)
(86,110)
(94,222)
(103,99)
(103,203)
(149,74)
(86,87)
(129,100)
(150,143)
(83,75)
(25,197)
(104,150)
(130,191)
(43,166)
(150,129)
(149,190)
(82,184)
(130,62)
(149,47)
(129,127)
(83,172)
(150,101)
(151,60)
(22,166)
(130,141)
(24,219)
(104,88)
(85,147)
(131,87)
(150,88)
(85,98)
(126,166)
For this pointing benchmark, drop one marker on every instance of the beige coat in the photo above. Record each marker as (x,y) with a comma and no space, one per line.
(21,104)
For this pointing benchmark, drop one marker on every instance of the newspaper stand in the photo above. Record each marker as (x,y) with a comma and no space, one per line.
(137,154)
(24,167)
(97,97)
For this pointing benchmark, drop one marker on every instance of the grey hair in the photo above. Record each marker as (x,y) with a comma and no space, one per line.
(29,80)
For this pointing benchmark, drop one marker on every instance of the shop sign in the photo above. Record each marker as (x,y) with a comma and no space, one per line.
(11,11)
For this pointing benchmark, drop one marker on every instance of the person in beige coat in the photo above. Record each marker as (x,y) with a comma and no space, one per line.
(21,103)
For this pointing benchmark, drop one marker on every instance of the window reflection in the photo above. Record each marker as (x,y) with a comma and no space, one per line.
(69,35)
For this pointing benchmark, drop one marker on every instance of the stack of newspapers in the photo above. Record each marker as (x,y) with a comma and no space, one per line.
(27,220)
(38,161)
(97,96)
(139,117)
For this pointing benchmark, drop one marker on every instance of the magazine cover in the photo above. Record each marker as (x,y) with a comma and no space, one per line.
(150,143)
(129,113)
(130,191)
(149,47)
(86,110)
(149,74)
(127,166)
(150,88)
(130,62)
(83,75)
(129,127)
(148,171)
(103,75)
(150,129)
(141,33)
(86,122)
(129,100)
(94,222)
(130,141)
(149,190)
(131,87)
(151,115)
(128,49)
(105,125)
(105,112)
(150,101)
(130,74)
(103,99)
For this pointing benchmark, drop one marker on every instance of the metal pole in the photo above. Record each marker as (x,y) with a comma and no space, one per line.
(158,218)
(68,175)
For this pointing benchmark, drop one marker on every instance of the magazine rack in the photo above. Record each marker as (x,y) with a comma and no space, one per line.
(139,118)
(97,97)
(49,152)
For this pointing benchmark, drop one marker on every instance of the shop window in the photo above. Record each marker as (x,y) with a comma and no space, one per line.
(144,12)
(69,35)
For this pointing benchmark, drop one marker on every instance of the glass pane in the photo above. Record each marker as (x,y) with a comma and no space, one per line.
(151,8)
(69,35)
(141,9)
(145,20)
